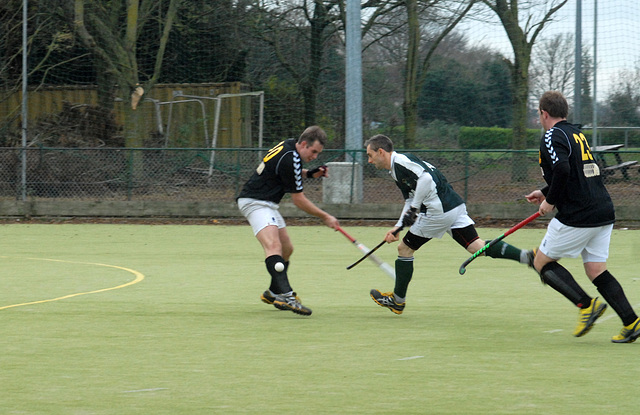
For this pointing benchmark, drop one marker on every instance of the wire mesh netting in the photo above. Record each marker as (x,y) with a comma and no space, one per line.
(188,54)
(495,177)
(174,100)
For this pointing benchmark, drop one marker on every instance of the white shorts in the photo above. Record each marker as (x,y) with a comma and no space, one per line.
(434,226)
(261,213)
(562,241)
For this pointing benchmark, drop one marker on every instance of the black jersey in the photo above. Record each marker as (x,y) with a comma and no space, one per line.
(279,172)
(583,201)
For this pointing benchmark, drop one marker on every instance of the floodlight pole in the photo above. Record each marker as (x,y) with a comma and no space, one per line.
(577,90)
(25,111)
(353,88)
(595,139)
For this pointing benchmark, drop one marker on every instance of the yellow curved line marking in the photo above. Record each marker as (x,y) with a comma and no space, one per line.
(139,277)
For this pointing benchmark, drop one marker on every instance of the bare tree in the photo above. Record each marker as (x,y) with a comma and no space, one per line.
(315,26)
(446,19)
(623,104)
(111,31)
(45,36)
(384,50)
(553,68)
(298,33)
(410,31)
(533,15)
(553,65)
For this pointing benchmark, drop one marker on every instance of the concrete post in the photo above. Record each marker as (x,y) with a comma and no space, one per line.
(343,184)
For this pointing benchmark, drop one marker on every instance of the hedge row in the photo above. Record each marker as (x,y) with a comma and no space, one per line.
(493,138)
(497,138)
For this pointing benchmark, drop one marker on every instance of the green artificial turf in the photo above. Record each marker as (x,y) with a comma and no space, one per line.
(176,327)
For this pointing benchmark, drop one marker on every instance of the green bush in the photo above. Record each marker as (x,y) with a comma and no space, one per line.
(629,137)
(493,138)
(500,138)
(437,135)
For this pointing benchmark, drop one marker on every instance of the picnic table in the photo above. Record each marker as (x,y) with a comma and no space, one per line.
(599,153)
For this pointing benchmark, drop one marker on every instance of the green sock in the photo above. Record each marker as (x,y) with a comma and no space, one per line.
(404,273)
(504,250)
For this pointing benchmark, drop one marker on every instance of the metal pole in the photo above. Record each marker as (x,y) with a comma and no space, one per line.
(595,74)
(261,122)
(353,87)
(353,104)
(25,112)
(214,141)
(577,91)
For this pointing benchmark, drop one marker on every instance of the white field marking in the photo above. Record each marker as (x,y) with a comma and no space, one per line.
(411,358)
(146,390)
(138,277)
(609,316)
(554,331)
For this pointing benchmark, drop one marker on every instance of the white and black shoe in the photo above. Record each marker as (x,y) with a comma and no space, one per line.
(290,302)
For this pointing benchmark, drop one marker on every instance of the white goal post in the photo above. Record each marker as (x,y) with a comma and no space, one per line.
(180,97)
(216,122)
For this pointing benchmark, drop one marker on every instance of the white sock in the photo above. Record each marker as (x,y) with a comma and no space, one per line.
(524,258)
(398,299)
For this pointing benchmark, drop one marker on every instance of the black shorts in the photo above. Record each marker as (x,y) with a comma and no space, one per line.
(464,236)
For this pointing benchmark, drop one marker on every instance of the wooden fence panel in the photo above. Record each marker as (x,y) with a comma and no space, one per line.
(187,123)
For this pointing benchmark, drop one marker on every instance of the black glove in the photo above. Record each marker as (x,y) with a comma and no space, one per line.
(409,217)
(311,172)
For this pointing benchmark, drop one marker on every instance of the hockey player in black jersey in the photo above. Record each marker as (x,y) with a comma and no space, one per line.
(583,222)
(281,172)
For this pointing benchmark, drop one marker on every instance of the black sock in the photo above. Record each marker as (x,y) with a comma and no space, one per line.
(561,280)
(279,279)
(404,273)
(611,290)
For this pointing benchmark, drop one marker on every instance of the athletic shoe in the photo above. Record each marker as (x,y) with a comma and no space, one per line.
(290,302)
(531,255)
(588,317)
(266,297)
(629,333)
(387,300)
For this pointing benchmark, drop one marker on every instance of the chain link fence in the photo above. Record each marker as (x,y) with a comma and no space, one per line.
(495,177)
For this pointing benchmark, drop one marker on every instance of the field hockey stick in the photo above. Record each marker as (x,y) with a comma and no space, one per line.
(495,241)
(373,250)
(386,268)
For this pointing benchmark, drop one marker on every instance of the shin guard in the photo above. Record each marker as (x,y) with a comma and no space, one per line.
(557,277)
(404,273)
(612,292)
(279,279)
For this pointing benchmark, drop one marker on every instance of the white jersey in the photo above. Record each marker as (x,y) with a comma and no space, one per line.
(423,186)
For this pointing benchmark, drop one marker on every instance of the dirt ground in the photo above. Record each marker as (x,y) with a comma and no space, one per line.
(480,222)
